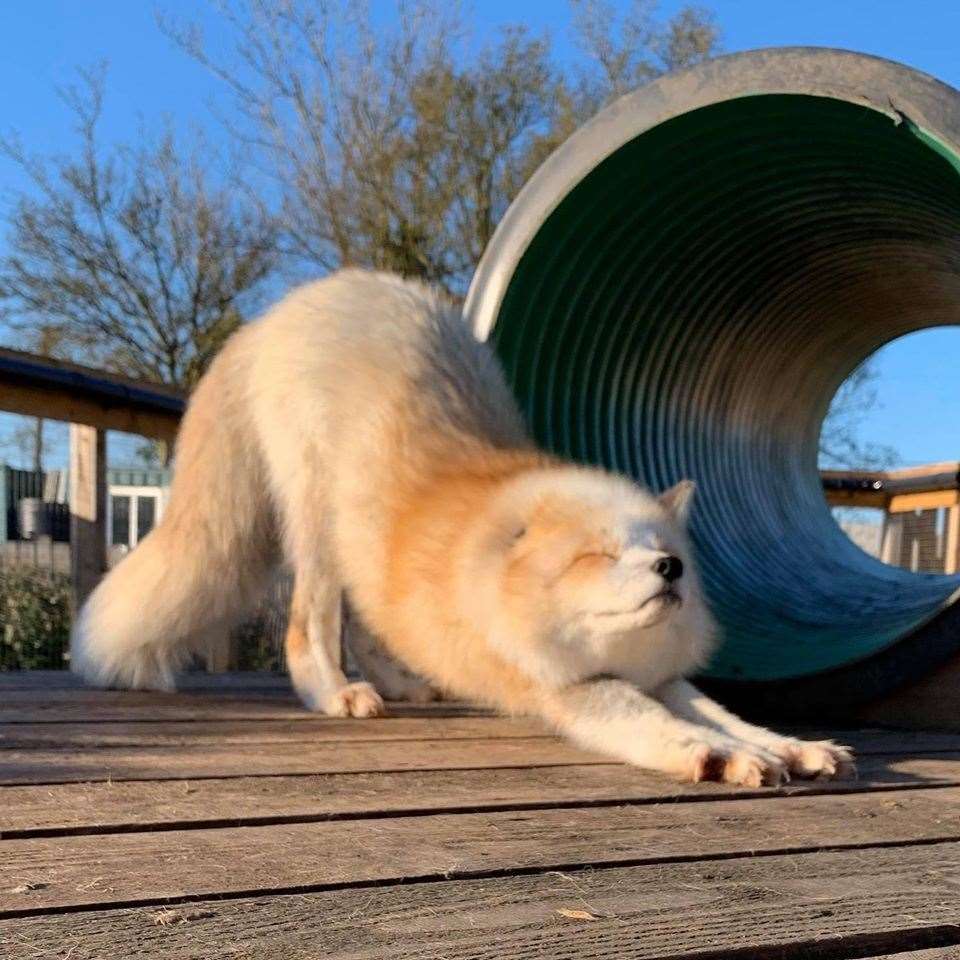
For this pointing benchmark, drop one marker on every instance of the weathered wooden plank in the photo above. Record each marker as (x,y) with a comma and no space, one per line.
(120,707)
(188,762)
(407,723)
(70,871)
(114,806)
(222,697)
(222,734)
(193,681)
(312,729)
(57,696)
(834,904)
(99,706)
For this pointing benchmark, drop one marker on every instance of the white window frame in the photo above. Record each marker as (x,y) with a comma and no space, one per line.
(160,501)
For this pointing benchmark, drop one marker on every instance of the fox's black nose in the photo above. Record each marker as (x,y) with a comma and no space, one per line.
(670,568)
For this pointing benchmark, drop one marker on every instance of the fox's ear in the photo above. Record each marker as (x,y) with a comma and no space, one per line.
(678,500)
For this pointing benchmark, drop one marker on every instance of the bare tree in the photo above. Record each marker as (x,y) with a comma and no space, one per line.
(135,258)
(400,147)
(29,441)
(841,445)
(632,47)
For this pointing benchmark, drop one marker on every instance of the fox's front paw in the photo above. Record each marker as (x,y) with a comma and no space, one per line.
(817,760)
(355,700)
(741,766)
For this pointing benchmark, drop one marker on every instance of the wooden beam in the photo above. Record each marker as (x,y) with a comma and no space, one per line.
(61,405)
(905,502)
(891,540)
(856,498)
(57,390)
(855,487)
(951,554)
(927,469)
(88,509)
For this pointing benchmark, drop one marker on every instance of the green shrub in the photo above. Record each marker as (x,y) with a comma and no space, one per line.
(34,619)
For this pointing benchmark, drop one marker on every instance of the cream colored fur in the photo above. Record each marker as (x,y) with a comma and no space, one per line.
(360,433)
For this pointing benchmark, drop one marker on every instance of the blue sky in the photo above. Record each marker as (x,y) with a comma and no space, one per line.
(44,41)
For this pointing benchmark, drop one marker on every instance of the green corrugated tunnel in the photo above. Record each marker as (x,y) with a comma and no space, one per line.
(680,290)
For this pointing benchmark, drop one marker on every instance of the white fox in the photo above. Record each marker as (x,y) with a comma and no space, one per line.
(359,432)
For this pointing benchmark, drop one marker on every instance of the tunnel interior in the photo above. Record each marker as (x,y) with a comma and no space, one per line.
(690,308)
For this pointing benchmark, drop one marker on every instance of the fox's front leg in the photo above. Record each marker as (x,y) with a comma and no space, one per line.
(313,652)
(614,717)
(805,758)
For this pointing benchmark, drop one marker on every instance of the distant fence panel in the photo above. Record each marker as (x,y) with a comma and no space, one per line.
(18,485)
(40,554)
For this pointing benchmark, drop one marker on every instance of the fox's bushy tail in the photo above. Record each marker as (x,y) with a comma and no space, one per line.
(207,560)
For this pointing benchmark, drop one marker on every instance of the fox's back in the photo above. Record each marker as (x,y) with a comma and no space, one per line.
(358,348)
(361,384)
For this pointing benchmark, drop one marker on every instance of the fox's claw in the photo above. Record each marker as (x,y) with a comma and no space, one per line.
(819,760)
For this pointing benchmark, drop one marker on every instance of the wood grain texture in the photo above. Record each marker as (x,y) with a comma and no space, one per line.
(90,706)
(189,762)
(88,509)
(311,729)
(57,697)
(70,871)
(192,681)
(126,805)
(833,904)
(193,761)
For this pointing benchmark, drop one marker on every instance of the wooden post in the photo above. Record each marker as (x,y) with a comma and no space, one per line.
(891,546)
(88,509)
(951,555)
(219,648)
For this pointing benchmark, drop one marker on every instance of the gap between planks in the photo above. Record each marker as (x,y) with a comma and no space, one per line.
(249,760)
(132,806)
(183,866)
(828,906)
(220,760)
(72,734)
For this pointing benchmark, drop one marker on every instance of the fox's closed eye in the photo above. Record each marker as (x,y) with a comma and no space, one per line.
(595,555)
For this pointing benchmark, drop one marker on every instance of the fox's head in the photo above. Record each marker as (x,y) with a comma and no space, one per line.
(596,567)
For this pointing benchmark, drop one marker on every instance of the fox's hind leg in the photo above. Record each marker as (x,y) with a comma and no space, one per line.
(393,680)
(313,651)
(313,635)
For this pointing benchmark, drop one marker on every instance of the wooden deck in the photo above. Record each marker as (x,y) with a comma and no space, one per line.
(226,822)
